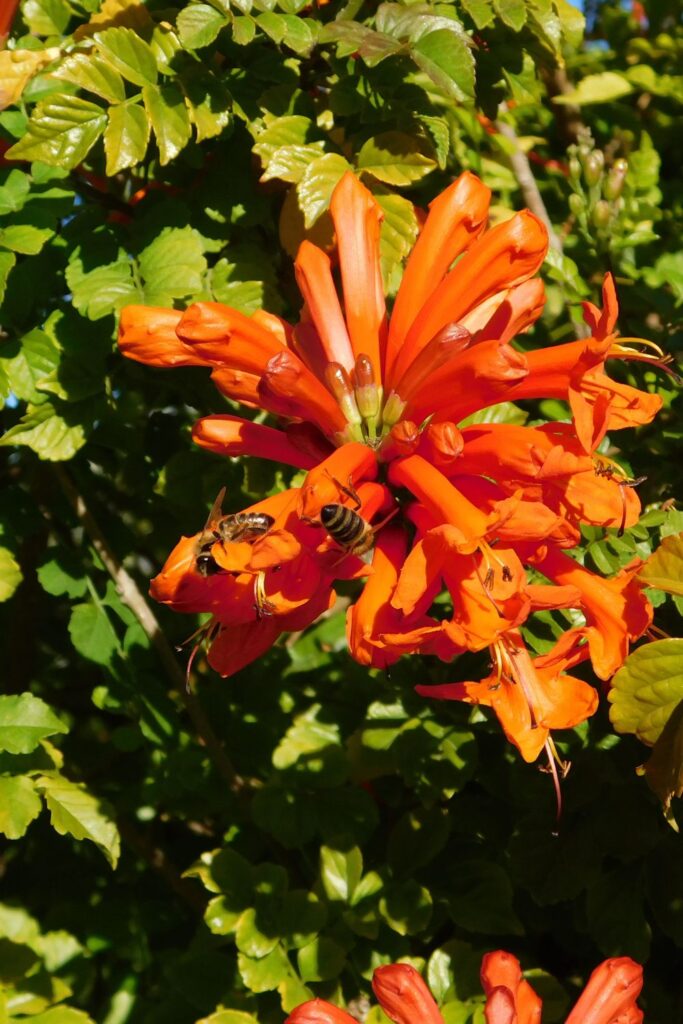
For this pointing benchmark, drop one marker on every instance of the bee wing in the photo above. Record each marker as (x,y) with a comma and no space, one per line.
(216,509)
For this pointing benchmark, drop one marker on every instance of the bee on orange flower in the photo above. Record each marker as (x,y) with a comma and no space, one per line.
(245,526)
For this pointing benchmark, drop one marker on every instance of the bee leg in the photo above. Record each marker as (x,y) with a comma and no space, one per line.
(349,490)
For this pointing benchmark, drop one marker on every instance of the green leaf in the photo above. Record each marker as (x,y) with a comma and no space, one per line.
(394,158)
(19,805)
(572,20)
(664,769)
(63,574)
(125,137)
(92,634)
(512,13)
(448,61)
(7,261)
(28,362)
(25,720)
(173,266)
(76,812)
(664,568)
(93,73)
(417,838)
(353,38)
(301,917)
(289,163)
(199,24)
(170,119)
(317,184)
(266,973)
(600,88)
(256,933)
(62,1015)
(647,688)
(14,192)
(25,238)
(53,435)
(46,17)
(406,907)
(10,576)
(618,925)
(340,871)
(61,131)
(291,131)
(129,54)
(480,11)
(320,960)
(229,1017)
(480,899)
(210,105)
(103,290)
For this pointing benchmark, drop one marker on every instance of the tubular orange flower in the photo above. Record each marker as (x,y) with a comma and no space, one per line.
(609,997)
(371,408)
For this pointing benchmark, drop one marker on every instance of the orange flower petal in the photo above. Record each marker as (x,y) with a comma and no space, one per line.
(232,436)
(616,610)
(317,1011)
(288,387)
(404,996)
(148,335)
(500,1007)
(314,277)
(444,501)
(456,217)
(357,218)
(479,376)
(505,256)
(612,989)
(348,465)
(236,384)
(371,614)
(224,337)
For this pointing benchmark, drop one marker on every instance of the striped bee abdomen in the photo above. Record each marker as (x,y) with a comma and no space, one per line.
(344,525)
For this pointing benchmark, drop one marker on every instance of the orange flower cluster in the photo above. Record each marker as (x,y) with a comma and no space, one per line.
(608,998)
(370,408)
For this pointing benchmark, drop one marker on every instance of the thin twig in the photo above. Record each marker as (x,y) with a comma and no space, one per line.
(157,859)
(527,181)
(130,594)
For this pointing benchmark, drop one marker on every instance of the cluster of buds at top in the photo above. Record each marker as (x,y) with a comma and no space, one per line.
(597,197)
(608,998)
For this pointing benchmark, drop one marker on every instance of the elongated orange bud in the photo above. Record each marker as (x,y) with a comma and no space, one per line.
(404,996)
(446,343)
(317,1011)
(612,989)
(339,383)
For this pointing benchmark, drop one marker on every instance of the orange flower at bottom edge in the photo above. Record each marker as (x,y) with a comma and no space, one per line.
(608,998)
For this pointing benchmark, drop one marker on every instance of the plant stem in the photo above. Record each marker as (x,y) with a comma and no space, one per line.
(131,595)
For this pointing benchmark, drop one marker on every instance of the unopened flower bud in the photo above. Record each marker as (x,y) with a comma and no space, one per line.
(574,167)
(337,380)
(367,392)
(602,214)
(393,409)
(576,204)
(593,166)
(404,996)
(615,179)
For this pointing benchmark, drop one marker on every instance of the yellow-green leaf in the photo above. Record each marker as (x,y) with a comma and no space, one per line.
(17,67)
(199,24)
(61,131)
(170,119)
(129,54)
(664,568)
(394,158)
(647,688)
(664,769)
(19,805)
(447,59)
(92,72)
(25,720)
(76,812)
(10,576)
(125,137)
(318,183)
(600,88)
(47,432)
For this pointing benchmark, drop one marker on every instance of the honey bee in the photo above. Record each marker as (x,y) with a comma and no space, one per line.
(347,527)
(235,527)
